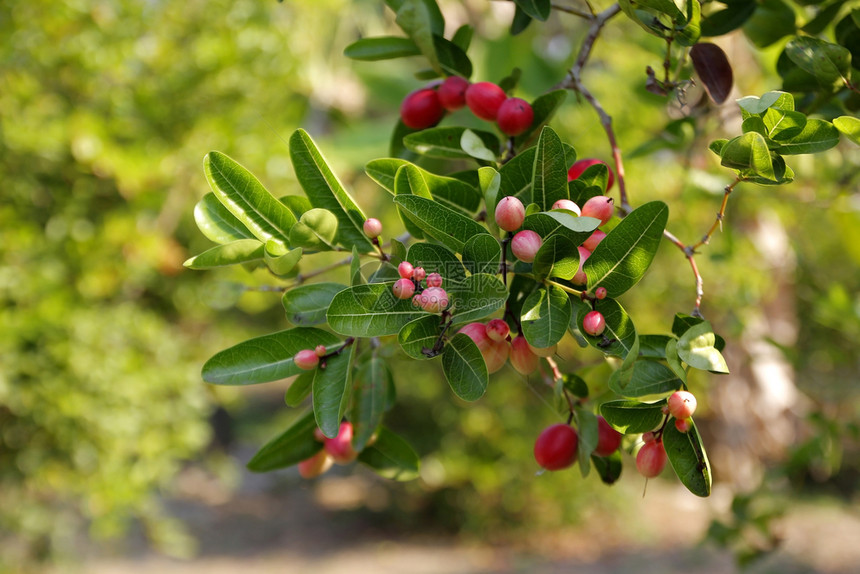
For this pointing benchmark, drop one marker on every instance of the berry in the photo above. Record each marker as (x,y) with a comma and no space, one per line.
(648,437)
(592,242)
(306,359)
(498,330)
(495,353)
(452,92)
(340,447)
(485,99)
(651,459)
(320,351)
(515,116)
(432,299)
(683,425)
(418,274)
(544,351)
(434,280)
(579,278)
(403,288)
(405,270)
(315,465)
(682,404)
(318,435)
(608,439)
(580,166)
(556,447)
(523,360)
(525,245)
(373,228)
(600,293)
(421,109)
(600,207)
(510,213)
(593,323)
(567,205)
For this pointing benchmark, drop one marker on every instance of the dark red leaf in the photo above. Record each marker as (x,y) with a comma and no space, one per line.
(713,69)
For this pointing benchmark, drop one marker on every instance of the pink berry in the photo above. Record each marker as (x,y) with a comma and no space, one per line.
(498,330)
(525,245)
(495,353)
(433,299)
(318,435)
(403,288)
(485,99)
(593,323)
(608,439)
(648,437)
(651,459)
(683,425)
(580,166)
(320,351)
(600,293)
(306,360)
(599,207)
(544,351)
(452,92)
(515,116)
(421,109)
(418,274)
(405,270)
(315,465)
(579,277)
(510,213)
(434,280)
(594,240)
(373,228)
(556,447)
(567,205)
(340,447)
(523,360)
(682,404)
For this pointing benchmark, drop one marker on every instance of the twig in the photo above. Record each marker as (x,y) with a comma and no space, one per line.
(720,216)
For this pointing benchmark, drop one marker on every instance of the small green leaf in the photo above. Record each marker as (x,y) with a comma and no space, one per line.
(382,171)
(650,380)
(632,417)
(545,316)
(816,136)
(516,177)
(696,348)
(588,436)
(608,467)
(415,18)
(748,154)
(445,142)
(754,105)
(848,125)
(772,21)
(307,304)
(489,181)
(443,224)
(381,48)
(391,457)
(372,381)
(674,361)
(576,385)
(549,223)
(482,254)
(294,445)
(316,229)
(653,346)
(217,223)
(549,178)
(299,389)
(419,336)
(688,458)
(830,63)
(473,145)
(331,391)
(464,368)
(724,21)
(480,296)
(449,191)
(282,262)
(783,124)
(537,9)
(557,257)
(370,310)
(239,251)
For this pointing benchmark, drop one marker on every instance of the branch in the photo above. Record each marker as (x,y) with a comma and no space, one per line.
(720,216)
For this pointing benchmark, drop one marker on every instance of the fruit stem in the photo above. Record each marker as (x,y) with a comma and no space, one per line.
(564,288)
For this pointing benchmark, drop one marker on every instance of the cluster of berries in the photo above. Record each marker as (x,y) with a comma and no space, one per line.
(497,346)
(429,296)
(425,107)
(651,458)
(308,359)
(557,446)
(335,450)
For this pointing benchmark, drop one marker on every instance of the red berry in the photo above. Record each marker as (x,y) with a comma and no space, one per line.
(651,459)
(593,323)
(434,280)
(421,109)
(648,437)
(340,447)
(608,439)
(599,207)
(510,213)
(433,299)
(600,293)
(580,166)
(579,278)
(320,351)
(568,205)
(515,116)
(495,353)
(556,447)
(403,288)
(498,330)
(418,274)
(306,359)
(594,240)
(525,245)
(523,360)
(315,465)
(485,99)
(682,404)
(373,228)
(452,92)
(683,425)
(405,270)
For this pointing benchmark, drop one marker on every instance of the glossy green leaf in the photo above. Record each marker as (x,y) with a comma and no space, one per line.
(246,198)
(463,37)
(419,337)
(464,368)
(415,18)
(451,192)
(625,254)
(728,19)
(356,277)
(619,338)
(816,136)
(332,383)
(688,29)
(449,227)
(696,348)
(438,259)
(382,171)
(632,417)
(549,223)
(557,257)
(381,48)
(473,145)
(297,204)
(520,22)
(608,467)
(370,310)
(294,445)
(307,304)
(239,251)
(516,176)
(537,9)
(830,63)
(755,105)
(325,191)
(316,229)
(279,260)
(749,155)
(263,359)
(688,458)
(482,254)
(649,380)
(544,108)
(575,385)
(681,323)
(850,126)
(217,223)
(445,142)
(771,21)
(653,346)
(587,429)
(396,147)
(545,316)
(783,124)
(391,457)
(489,181)
(372,381)
(452,58)
(480,296)
(549,178)
(299,389)
(674,361)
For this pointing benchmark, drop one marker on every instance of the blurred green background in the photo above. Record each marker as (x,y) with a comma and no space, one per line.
(106,110)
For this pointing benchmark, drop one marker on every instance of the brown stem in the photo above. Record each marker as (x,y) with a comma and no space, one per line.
(720,216)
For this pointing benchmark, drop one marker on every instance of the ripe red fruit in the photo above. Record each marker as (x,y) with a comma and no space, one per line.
(495,353)
(434,280)
(510,213)
(600,293)
(403,288)
(485,99)
(373,228)
(306,359)
(579,278)
(525,245)
(515,116)
(608,439)
(498,330)
(600,207)
(405,270)
(452,92)
(340,447)
(568,205)
(594,240)
(432,299)
(523,360)
(315,465)
(651,459)
(421,109)
(682,404)
(593,323)
(580,166)
(683,425)
(556,447)
(418,274)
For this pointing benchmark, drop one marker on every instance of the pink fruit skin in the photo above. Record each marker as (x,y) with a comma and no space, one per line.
(340,448)
(651,459)
(599,207)
(608,440)
(403,288)
(433,299)
(485,99)
(498,330)
(682,404)
(579,277)
(594,323)
(495,353)
(515,116)
(525,245)
(556,447)
(568,205)
(510,213)
(421,109)
(372,228)
(594,240)
(405,270)
(683,425)
(579,167)
(452,93)
(306,359)
(522,359)
(434,280)
(315,465)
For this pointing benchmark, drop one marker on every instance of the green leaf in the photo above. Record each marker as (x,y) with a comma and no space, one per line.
(299,389)
(391,457)
(463,37)
(489,181)
(830,63)
(681,323)
(395,146)
(325,191)
(297,204)
(620,336)
(438,259)
(557,257)
(482,254)
(848,125)
(480,296)
(516,177)
(632,417)
(772,20)
(307,304)
(696,348)
(689,28)
(442,223)
(724,21)
(239,251)
(331,391)
(415,18)
(420,335)
(372,381)
(246,198)
(381,48)
(674,361)
(624,255)
(549,178)
(544,108)
(464,368)
(451,192)
(280,261)
(783,124)
(217,223)
(717,146)
(754,105)
(748,154)
(688,458)
(445,142)
(608,467)
(473,145)
(356,277)
(575,384)
(537,9)
(452,58)
(545,316)
(549,223)
(382,171)
(294,445)
(264,359)
(520,22)
(588,436)
(370,310)
(653,346)
(816,136)
(316,229)
(650,380)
